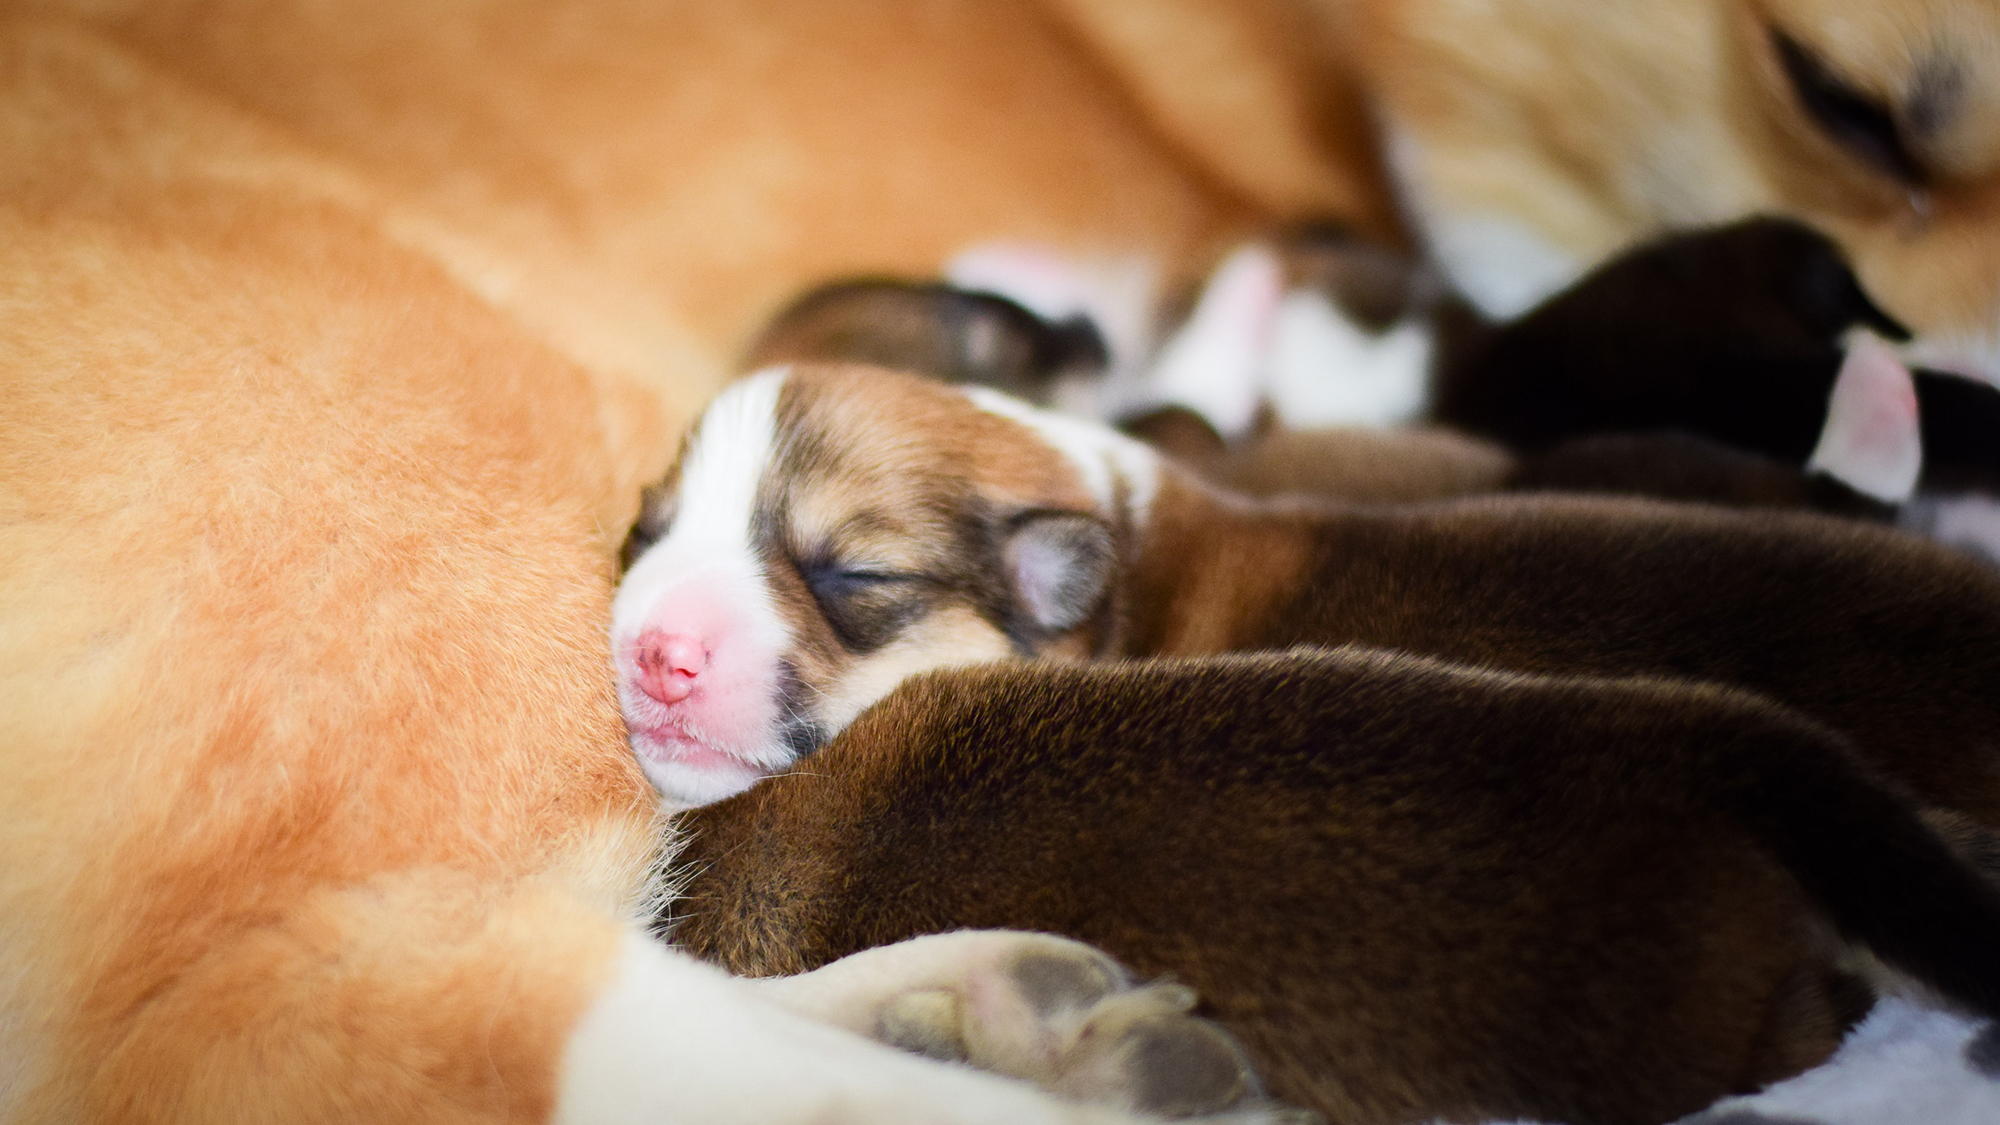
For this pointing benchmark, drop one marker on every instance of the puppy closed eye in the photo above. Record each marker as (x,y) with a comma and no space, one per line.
(867,607)
(657,506)
(640,539)
(1863,124)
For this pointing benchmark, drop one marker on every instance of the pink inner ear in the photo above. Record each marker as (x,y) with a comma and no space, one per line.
(1872,442)
(1042,576)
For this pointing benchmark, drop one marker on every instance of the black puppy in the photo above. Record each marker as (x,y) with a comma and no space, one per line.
(1732,334)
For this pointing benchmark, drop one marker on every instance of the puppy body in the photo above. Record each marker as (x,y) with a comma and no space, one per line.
(1886,639)
(1416,891)
(1708,366)
(895,524)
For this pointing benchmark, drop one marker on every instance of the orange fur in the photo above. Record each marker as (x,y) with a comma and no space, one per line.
(337,348)
(309,738)
(1590,127)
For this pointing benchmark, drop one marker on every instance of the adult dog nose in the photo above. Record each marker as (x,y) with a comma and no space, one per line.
(668,664)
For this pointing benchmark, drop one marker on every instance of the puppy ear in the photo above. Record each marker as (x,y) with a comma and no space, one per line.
(1873,442)
(1059,564)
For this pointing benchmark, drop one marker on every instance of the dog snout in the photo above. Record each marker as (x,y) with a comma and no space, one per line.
(669,664)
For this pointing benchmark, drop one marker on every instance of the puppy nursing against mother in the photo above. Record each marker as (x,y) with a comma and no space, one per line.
(339,337)
(830,531)
(1719,365)
(1415,891)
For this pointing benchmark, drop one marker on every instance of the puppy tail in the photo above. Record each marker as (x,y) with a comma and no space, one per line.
(1884,878)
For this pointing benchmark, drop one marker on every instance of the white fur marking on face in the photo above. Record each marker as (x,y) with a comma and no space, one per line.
(726,463)
(706,570)
(1101,455)
(1214,365)
(1872,441)
(1327,370)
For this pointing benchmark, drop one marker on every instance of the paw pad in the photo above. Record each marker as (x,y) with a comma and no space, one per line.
(924,1023)
(1141,1050)
(1052,984)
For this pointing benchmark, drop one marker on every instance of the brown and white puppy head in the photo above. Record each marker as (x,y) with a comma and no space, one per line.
(829,531)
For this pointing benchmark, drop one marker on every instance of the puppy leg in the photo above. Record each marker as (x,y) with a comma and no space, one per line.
(436,997)
(674,1039)
(1032,1006)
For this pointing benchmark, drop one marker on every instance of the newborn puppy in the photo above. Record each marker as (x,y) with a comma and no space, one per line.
(1675,465)
(830,531)
(1720,363)
(1414,891)
(1734,334)
(966,337)
(942,331)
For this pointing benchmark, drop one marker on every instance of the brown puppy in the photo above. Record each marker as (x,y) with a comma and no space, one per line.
(832,530)
(1416,891)
(308,298)
(953,334)
(967,337)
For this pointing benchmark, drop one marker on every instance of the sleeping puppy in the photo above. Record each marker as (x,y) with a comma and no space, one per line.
(1753,338)
(1734,334)
(830,531)
(1416,891)
(950,333)
(1700,368)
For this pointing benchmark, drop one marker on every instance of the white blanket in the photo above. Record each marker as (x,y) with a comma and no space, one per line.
(1906,1064)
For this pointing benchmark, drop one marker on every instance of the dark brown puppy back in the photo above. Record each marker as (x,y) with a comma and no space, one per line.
(1892,641)
(1412,890)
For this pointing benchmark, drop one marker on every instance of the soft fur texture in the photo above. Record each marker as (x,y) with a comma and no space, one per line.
(1414,889)
(898,500)
(340,339)
(336,346)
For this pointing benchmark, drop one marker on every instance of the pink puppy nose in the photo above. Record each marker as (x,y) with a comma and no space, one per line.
(668,664)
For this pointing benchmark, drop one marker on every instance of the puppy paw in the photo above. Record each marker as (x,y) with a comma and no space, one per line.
(1069,1019)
